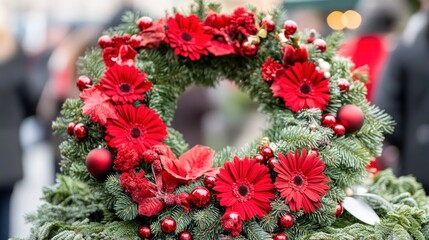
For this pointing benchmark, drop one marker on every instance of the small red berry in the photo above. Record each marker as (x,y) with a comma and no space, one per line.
(259,158)
(70,128)
(144,22)
(267,152)
(343,84)
(269,24)
(290,27)
(286,221)
(320,44)
(79,131)
(249,49)
(105,41)
(83,82)
(339,129)
(209,182)
(144,232)
(328,120)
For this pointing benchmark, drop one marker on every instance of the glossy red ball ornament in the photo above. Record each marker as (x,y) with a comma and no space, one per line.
(135,41)
(351,117)
(168,225)
(144,232)
(209,181)
(259,158)
(249,49)
(320,44)
(290,27)
(83,82)
(144,22)
(185,236)
(105,41)
(286,221)
(267,152)
(328,120)
(343,85)
(280,236)
(79,131)
(269,24)
(271,162)
(200,197)
(99,163)
(70,128)
(339,129)
(339,210)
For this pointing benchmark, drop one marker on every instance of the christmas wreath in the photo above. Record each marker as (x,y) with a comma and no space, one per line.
(127,174)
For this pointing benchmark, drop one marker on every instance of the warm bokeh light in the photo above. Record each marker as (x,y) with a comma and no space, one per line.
(351,19)
(334,20)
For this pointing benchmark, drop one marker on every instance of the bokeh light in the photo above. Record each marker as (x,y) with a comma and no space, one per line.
(334,20)
(351,19)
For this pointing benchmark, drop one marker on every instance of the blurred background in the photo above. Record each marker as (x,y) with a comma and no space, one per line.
(40,41)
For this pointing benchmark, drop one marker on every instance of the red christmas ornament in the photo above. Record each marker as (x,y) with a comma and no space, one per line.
(313,151)
(259,158)
(290,27)
(339,209)
(232,222)
(267,152)
(83,82)
(79,131)
(339,129)
(105,41)
(343,84)
(144,22)
(271,162)
(99,162)
(209,182)
(249,49)
(286,221)
(126,37)
(200,197)
(280,236)
(185,236)
(135,41)
(312,36)
(144,232)
(351,117)
(320,44)
(70,128)
(328,120)
(168,225)
(269,24)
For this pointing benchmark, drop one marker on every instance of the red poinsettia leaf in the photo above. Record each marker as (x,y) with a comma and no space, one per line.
(150,206)
(153,36)
(219,48)
(165,182)
(97,105)
(126,56)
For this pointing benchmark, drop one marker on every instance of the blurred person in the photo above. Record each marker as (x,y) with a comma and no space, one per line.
(404,94)
(17,101)
(371,43)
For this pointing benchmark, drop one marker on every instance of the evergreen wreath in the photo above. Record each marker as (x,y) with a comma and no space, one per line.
(127,174)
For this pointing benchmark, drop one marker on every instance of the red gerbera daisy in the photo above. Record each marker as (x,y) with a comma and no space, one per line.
(186,35)
(135,128)
(244,186)
(125,84)
(301,180)
(302,86)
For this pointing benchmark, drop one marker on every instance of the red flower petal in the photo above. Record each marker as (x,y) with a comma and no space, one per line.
(150,206)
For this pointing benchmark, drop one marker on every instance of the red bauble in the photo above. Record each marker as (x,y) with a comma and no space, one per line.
(312,36)
(185,236)
(328,120)
(267,152)
(269,24)
(83,82)
(79,131)
(339,210)
(286,221)
(200,197)
(271,162)
(144,22)
(144,232)
(280,236)
(290,27)
(259,158)
(209,182)
(168,225)
(105,41)
(135,41)
(249,49)
(351,117)
(320,44)
(70,128)
(313,151)
(339,129)
(343,85)
(99,162)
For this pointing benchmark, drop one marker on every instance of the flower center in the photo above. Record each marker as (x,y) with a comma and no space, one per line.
(298,180)
(186,36)
(135,132)
(125,87)
(243,190)
(305,88)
